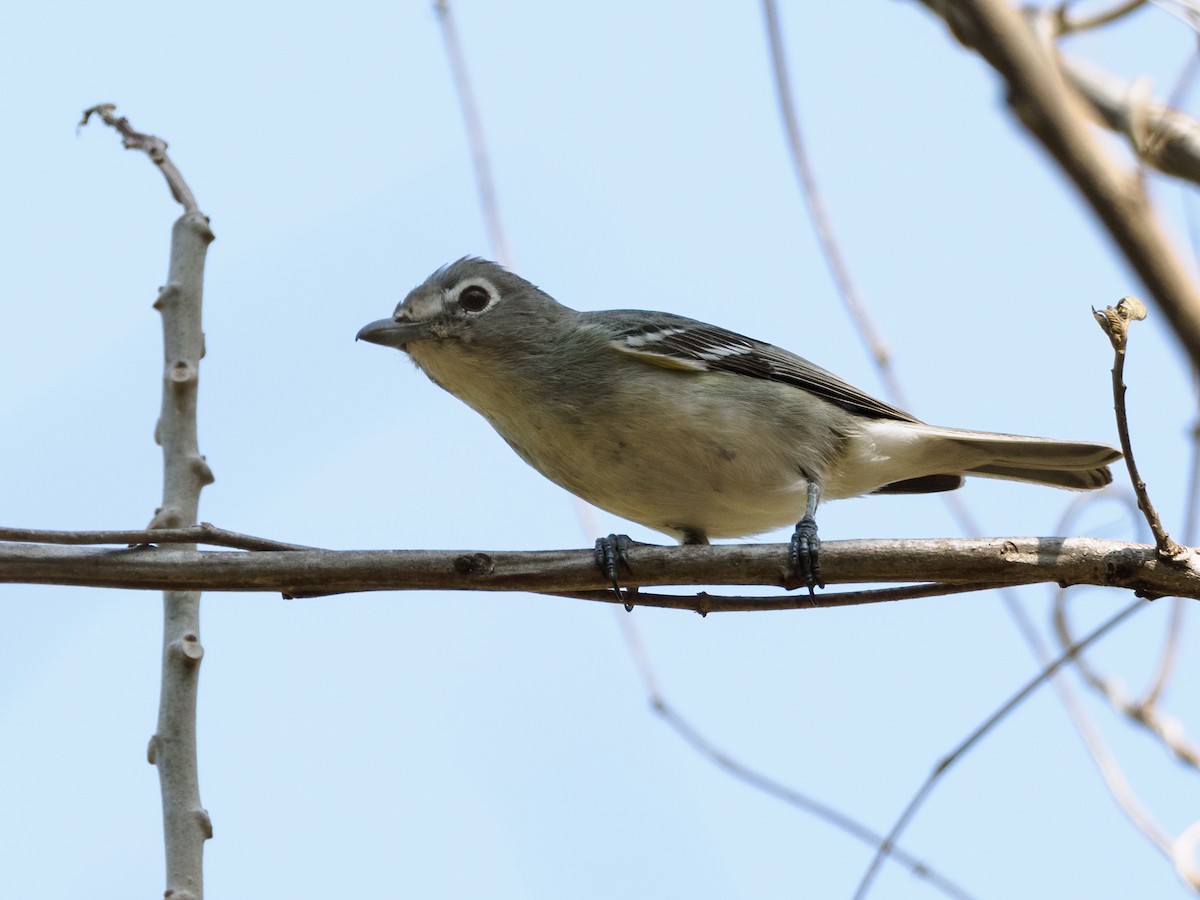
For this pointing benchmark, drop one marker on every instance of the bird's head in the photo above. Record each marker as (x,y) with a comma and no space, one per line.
(470,301)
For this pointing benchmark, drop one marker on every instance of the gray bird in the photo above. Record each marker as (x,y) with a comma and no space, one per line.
(685,427)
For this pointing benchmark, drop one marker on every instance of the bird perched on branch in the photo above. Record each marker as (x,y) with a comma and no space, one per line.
(685,427)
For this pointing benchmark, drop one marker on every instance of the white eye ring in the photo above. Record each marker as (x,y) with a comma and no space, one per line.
(474,299)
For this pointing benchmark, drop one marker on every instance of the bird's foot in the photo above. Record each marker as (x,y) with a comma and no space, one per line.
(611,552)
(805,554)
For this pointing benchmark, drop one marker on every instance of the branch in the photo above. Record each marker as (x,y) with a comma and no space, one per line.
(204,533)
(1115,322)
(888,846)
(154,147)
(484,181)
(1058,118)
(822,222)
(186,824)
(974,562)
(1162,137)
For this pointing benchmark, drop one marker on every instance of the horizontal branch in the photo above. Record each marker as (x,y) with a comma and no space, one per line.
(982,562)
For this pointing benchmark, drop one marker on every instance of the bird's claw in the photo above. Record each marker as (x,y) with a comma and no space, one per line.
(612,551)
(805,554)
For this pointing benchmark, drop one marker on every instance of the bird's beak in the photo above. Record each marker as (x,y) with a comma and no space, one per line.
(390,333)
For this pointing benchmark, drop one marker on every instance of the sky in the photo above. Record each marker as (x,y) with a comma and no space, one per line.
(447,745)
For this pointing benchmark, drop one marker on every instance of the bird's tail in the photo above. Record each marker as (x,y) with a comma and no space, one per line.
(1077,465)
(912,457)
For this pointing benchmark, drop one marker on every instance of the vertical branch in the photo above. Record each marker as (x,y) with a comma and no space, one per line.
(186,825)
(1115,321)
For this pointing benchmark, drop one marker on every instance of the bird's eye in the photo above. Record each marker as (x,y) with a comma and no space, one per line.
(474,299)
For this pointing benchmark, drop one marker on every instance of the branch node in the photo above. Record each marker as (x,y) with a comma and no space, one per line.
(189,648)
(166,517)
(152,750)
(473,564)
(166,293)
(206,826)
(182,372)
(200,466)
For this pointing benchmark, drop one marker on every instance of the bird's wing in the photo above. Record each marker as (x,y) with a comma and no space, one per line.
(676,342)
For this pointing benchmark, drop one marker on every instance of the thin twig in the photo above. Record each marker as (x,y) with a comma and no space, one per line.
(958,508)
(154,147)
(704,602)
(691,735)
(1144,712)
(1106,762)
(474,124)
(1170,651)
(203,533)
(792,797)
(885,848)
(1115,322)
(1066,24)
(822,223)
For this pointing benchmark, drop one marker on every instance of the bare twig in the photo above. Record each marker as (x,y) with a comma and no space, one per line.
(154,147)
(1065,23)
(1106,762)
(1115,322)
(186,824)
(203,533)
(730,764)
(474,124)
(792,797)
(822,223)
(1053,113)
(704,602)
(971,562)
(1170,652)
(1145,713)
(958,508)
(887,846)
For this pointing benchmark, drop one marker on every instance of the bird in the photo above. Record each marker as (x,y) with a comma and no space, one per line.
(688,428)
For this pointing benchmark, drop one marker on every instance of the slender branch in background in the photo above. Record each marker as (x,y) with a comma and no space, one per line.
(491,212)
(787,795)
(1054,114)
(474,124)
(1115,322)
(1166,729)
(822,223)
(1166,666)
(1106,762)
(756,779)
(957,506)
(1162,137)
(886,848)
(1065,23)
(186,824)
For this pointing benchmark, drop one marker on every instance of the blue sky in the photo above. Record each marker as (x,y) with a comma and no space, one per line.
(460,745)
